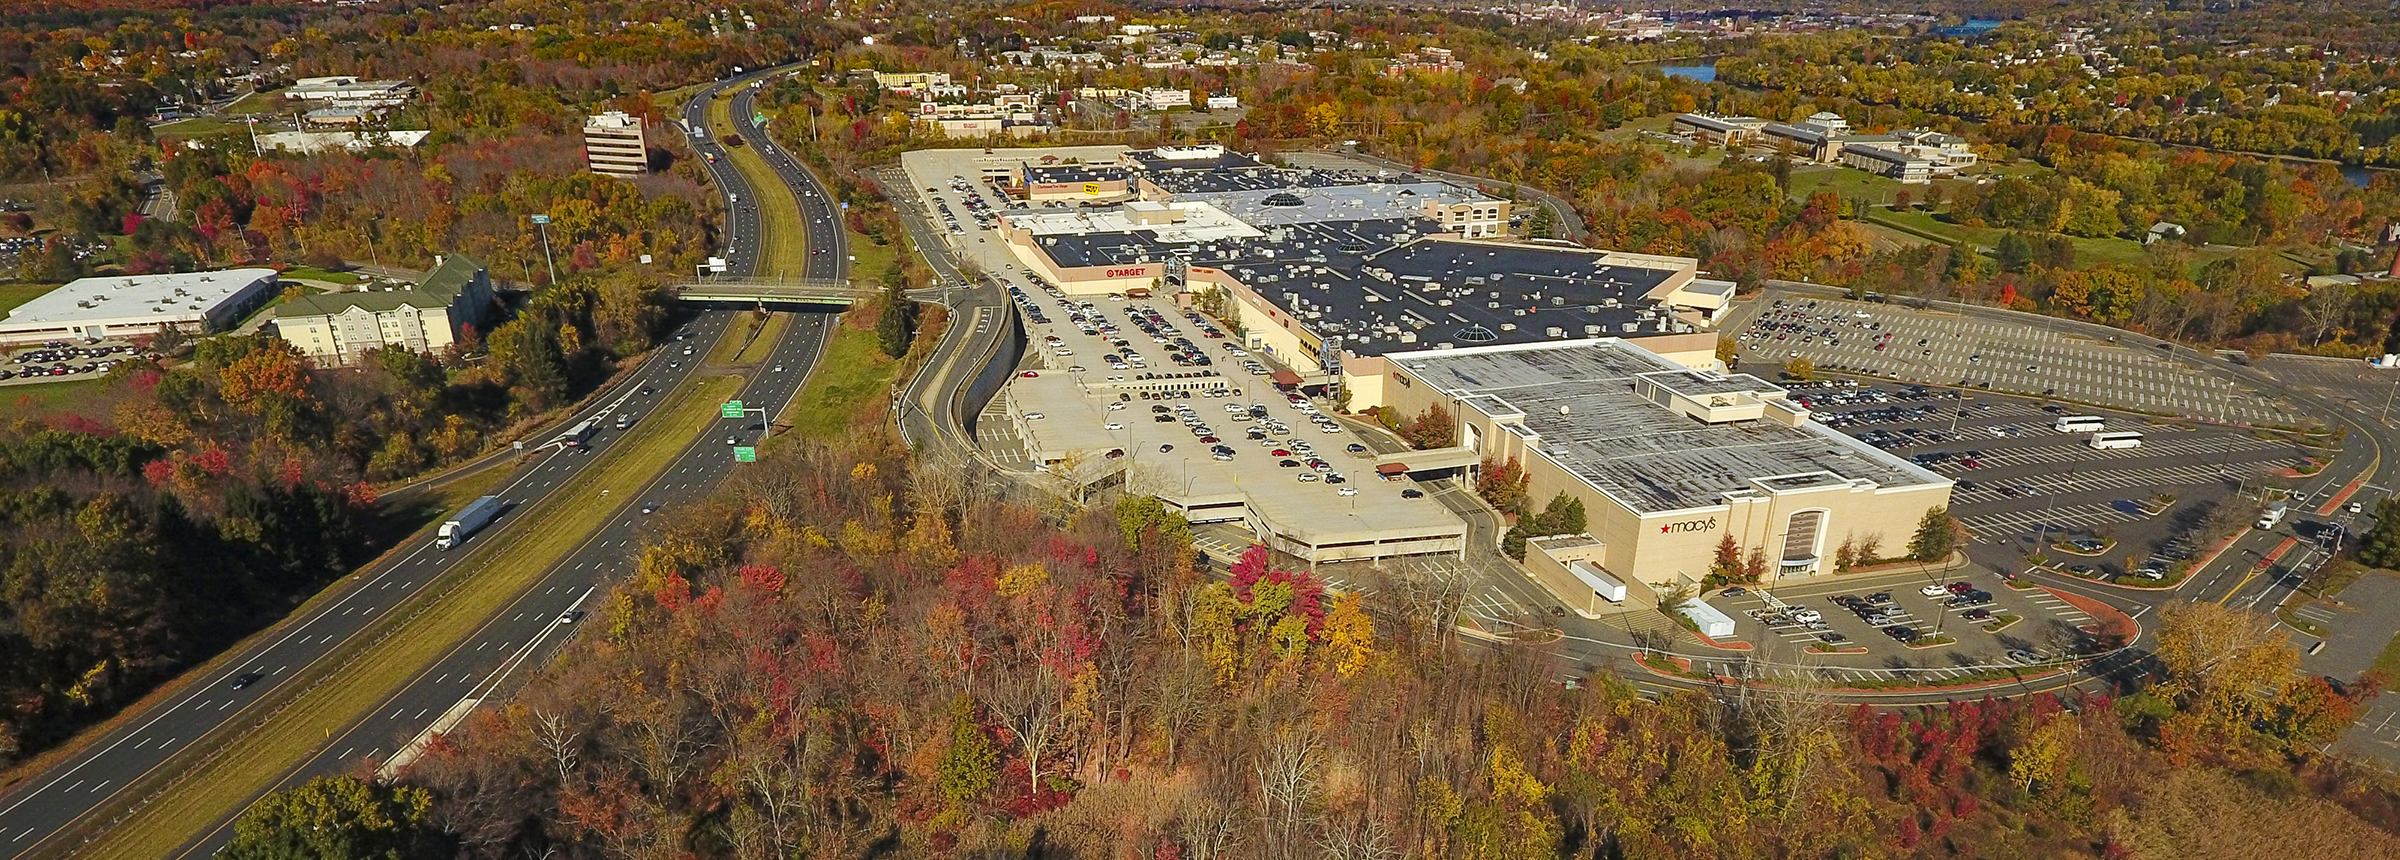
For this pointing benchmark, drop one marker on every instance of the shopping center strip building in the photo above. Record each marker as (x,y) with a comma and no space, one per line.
(1594,370)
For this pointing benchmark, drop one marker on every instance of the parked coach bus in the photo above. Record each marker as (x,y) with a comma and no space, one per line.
(2105,441)
(2080,423)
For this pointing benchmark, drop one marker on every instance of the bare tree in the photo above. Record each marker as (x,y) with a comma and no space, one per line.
(1207,830)
(1289,769)
(1358,836)
(2324,309)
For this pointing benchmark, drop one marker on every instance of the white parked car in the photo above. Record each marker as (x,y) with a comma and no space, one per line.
(1935,591)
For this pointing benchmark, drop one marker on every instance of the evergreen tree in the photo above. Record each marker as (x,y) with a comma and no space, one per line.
(2380,546)
(2015,254)
(897,325)
(1938,534)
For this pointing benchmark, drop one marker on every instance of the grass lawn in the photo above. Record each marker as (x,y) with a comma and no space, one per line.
(257,103)
(312,273)
(783,252)
(872,258)
(853,374)
(2387,664)
(417,633)
(2088,252)
(44,398)
(12,295)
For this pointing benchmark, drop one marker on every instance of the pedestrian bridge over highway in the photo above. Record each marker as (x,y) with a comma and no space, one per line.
(811,291)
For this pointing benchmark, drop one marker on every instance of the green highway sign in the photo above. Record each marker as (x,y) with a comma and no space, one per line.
(733,409)
(745,454)
(758,119)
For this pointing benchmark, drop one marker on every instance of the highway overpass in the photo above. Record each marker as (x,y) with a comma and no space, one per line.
(811,291)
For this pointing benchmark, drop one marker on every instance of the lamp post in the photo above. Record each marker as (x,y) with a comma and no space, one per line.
(543,222)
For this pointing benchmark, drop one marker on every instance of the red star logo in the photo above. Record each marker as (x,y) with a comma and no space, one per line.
(1662,530)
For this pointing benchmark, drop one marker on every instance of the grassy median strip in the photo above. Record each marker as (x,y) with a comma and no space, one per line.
(777,208)
(529,544)
(764,345)
(737,335)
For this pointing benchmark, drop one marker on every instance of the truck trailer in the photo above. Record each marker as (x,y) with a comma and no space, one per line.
(469,520)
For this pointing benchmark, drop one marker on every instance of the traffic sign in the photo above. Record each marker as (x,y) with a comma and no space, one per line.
(758,118)
(745,454)
(732,409)
(541,219)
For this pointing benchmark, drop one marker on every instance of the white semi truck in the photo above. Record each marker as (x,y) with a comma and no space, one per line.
(469,520)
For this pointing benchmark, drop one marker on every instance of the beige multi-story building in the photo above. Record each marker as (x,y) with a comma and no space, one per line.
(1470,219)
(337,329)
(613,144)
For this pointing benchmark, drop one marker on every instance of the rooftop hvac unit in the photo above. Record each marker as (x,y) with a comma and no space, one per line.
(1492,305)
(1591,331)
(1591,309)
(1555,331)
(1517,311)
(1442,302)
(1630,327)
(1508,326)
(1558,301)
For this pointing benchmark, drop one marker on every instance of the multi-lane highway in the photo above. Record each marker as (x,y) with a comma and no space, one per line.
(523,633)
(95,776)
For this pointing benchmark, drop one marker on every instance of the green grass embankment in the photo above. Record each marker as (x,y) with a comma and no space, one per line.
(416,634)
(850,377)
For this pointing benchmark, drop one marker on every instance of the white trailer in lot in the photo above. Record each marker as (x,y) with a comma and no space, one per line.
(1712,624)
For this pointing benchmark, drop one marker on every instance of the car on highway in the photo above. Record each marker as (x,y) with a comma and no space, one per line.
(569,616)
(246,679)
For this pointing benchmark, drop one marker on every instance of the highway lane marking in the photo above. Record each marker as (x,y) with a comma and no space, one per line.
(96,789)
(228,704)
(441,679)
(21,836)
(78,784)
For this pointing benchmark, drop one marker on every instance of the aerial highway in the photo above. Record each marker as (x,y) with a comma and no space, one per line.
(527,632)
(49,814)
(97,775)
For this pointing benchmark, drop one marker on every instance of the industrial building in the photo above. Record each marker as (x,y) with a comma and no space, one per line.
(136,305)
(613,144)
(337,329)
(1668,453)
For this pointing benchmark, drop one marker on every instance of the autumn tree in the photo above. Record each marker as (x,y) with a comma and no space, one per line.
(339,818)
(1432,428)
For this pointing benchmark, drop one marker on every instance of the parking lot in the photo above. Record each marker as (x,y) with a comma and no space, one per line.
(59,360)
(1892,342)
(2022,483)
(1864,632)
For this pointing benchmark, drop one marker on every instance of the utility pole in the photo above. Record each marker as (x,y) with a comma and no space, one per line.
(543,221)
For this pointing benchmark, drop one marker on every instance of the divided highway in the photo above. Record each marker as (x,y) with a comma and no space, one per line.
(96,776)
(524,633)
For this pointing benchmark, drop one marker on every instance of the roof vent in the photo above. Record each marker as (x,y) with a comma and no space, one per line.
(1477,334)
